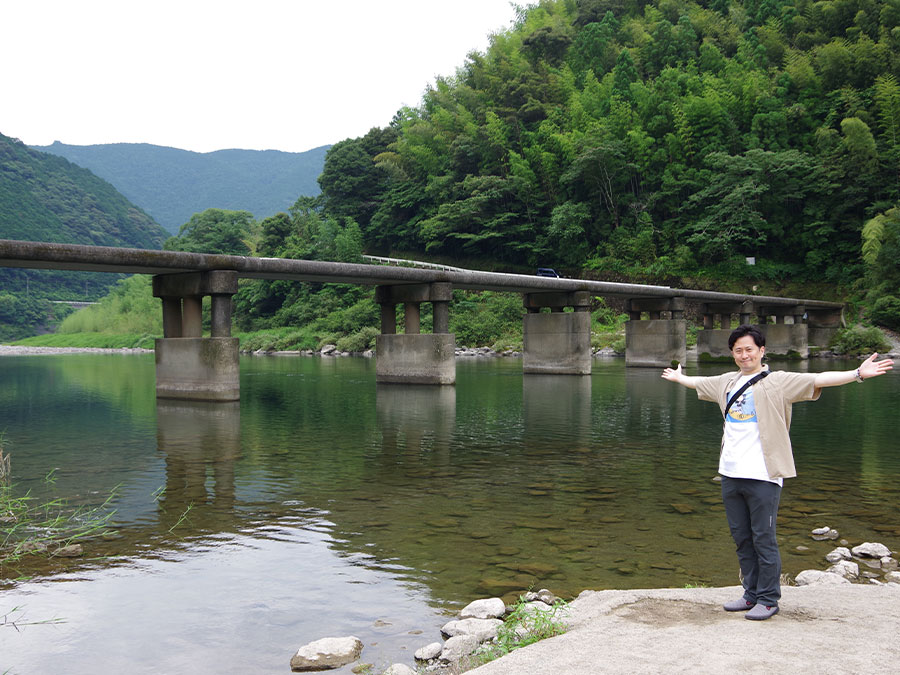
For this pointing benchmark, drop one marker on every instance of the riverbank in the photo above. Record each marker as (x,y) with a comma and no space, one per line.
(21,350)
(850,627)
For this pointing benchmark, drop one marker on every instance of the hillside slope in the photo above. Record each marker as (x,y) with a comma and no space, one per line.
(171,184)
(47,198)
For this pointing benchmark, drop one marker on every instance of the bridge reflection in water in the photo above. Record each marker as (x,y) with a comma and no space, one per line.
(201,442)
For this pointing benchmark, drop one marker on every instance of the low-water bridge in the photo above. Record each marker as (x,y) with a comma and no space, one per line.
(556,341)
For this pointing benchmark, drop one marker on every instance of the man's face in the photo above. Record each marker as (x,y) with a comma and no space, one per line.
(747,355)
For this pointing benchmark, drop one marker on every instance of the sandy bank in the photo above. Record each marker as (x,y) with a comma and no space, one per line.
(849,628)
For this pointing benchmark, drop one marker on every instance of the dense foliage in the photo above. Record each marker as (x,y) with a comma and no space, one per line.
(670,140)
(172,184)
(46,198)
(666,137)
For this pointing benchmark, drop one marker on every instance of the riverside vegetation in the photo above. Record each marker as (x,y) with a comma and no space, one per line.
(664,141)
(30,526)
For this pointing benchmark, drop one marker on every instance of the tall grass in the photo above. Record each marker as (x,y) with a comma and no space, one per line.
(29,526)
(129,309)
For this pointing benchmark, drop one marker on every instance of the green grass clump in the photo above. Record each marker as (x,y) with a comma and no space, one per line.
(525,625)
(32,527)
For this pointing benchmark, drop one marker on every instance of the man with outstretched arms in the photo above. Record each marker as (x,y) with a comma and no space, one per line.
(756,453)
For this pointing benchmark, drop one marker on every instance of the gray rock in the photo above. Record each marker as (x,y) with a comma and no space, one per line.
(327,653)
(399,669)
(328,349)
(892,577)
(546,596)
(429,652)
(840,553)
(846,569)
(889,564)
(810,577)
(871,550)
(822,536)
(821,530)
(70,551)
(486,608)
(458,647)
(481,629)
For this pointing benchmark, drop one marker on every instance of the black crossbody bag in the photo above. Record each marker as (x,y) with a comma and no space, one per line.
(747,384)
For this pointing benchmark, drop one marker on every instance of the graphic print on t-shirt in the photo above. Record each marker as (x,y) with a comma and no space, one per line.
(744,409)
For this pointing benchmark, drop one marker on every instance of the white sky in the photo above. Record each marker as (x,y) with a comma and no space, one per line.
(209,75)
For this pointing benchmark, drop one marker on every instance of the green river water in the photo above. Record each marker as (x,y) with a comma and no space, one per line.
(323,504)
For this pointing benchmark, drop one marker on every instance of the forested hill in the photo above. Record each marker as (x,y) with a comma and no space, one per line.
(666,138)
(47,198)
(171,185)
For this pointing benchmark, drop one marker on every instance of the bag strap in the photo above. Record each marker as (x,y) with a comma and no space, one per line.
(749,383)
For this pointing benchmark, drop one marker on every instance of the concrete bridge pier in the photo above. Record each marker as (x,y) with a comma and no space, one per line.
(412,357)
(558,342)
(660,340)
(712,342)
(189,366)
(822,324)
(788,337)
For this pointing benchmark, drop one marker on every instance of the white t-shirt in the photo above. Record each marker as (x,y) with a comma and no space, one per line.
(742,454)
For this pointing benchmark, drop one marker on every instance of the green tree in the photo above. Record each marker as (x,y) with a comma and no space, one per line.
(215,231)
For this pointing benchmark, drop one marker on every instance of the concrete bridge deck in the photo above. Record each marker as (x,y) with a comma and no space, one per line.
(556,323)
(42,255)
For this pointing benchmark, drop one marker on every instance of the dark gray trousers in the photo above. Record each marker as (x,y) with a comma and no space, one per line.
(751,507)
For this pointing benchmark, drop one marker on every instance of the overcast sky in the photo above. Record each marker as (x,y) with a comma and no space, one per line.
(207,75)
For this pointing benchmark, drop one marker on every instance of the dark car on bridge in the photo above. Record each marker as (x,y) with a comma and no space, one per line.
(547,272)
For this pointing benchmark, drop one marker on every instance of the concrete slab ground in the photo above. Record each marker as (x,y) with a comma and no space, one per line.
(851,628)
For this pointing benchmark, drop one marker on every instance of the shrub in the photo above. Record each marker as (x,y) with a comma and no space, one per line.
(886,312)
(360,341)
(859,340)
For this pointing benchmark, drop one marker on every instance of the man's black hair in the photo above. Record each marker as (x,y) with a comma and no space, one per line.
(741,331)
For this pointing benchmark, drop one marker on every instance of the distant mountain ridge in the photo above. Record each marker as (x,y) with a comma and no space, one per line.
(171,184)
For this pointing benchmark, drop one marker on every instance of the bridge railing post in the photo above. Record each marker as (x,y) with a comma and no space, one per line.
(188,365)
(558,343)
(413,357)
(655,342)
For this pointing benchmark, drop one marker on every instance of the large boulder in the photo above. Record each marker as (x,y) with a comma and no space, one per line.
(810,577)
(838,554)
(486,608)
(399,669)
(481,629)
(429,652)
(871,550)
(326,654)
(458,647)
(845,568)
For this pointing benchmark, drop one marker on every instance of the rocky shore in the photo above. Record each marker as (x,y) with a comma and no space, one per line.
(487,627)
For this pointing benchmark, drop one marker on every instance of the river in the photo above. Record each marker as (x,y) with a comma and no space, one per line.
(323,504)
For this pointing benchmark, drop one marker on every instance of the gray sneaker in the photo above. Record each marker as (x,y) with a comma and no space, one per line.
(761,612)
(739,605)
